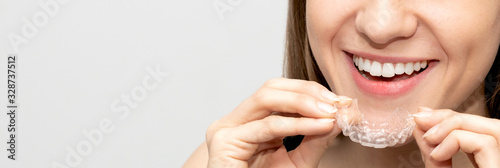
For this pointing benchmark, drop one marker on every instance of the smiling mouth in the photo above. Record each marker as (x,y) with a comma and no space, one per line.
(389,72)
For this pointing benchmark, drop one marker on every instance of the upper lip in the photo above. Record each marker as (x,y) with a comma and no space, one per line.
(386,59)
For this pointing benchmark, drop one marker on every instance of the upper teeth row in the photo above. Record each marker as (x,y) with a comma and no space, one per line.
(387,70)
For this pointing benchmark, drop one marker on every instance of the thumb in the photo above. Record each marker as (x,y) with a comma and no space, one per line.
(312,148)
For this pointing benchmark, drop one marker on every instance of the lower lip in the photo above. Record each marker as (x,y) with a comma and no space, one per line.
(385,88)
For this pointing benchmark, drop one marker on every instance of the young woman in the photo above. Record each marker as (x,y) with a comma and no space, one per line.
(433,58)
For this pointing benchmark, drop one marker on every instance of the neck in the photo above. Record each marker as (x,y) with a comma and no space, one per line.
(345,150)
(475,103)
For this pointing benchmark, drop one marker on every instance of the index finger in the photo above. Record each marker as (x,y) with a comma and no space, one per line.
(449,120)
(303,86)
(267,101)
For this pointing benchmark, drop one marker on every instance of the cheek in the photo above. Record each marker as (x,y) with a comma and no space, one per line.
(324,18)
(470,44)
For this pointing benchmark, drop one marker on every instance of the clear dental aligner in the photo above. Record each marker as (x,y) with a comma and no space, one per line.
(377,134)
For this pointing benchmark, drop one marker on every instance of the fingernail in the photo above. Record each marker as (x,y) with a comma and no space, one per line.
(327,108)
(344,101)
(435,149)
(424,109)
(345,98)
(329,95)
(326,120)
(431,131)
(422,114)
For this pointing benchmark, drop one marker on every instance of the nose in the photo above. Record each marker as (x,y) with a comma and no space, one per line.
(385,20)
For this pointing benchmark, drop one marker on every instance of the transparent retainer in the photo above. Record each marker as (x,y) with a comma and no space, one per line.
(394,130)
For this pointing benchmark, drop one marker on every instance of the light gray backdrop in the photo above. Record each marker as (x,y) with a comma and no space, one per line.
(86,64)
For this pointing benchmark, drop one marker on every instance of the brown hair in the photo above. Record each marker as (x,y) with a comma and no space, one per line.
(492,88)
(299,62)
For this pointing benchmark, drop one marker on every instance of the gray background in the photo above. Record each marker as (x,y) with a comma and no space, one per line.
(92,52)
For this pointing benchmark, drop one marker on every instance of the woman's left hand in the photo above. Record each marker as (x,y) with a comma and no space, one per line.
(442,133)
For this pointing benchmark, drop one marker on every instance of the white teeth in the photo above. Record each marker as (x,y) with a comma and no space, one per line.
(355,60)
(416,66)
(400,68)
(360,63)
(376,69)
(388,70)
(423,64)
(366,65)
(409,68)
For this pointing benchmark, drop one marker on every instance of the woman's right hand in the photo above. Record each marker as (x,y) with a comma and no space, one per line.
(251,135)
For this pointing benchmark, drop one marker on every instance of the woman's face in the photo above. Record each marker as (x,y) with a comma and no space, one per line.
(456,41)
